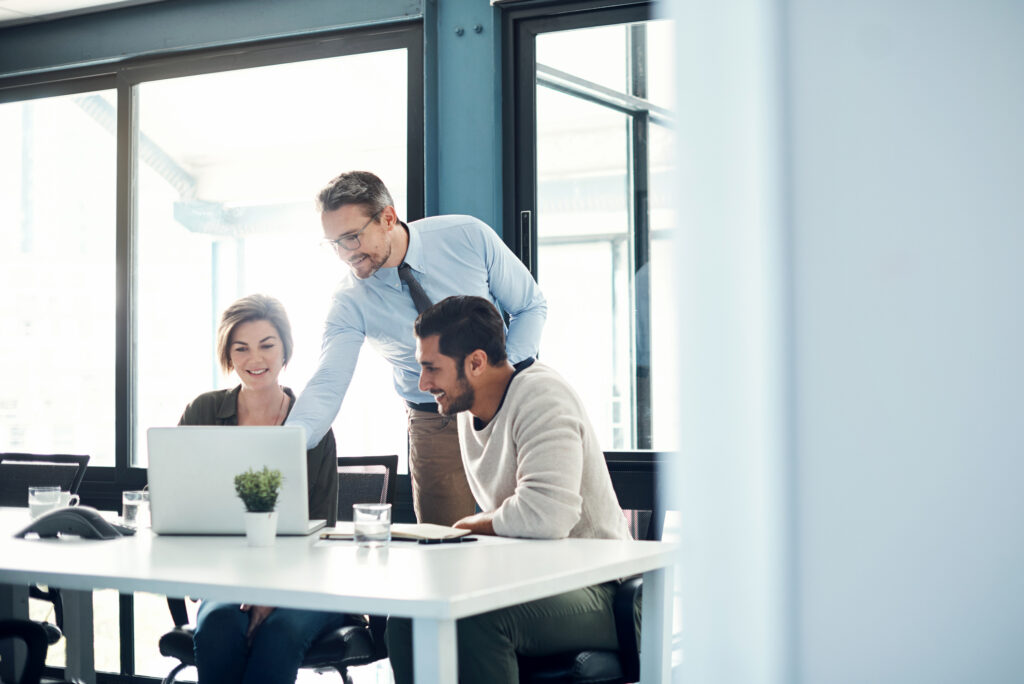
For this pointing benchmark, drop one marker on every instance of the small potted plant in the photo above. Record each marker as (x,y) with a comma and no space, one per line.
(258,490)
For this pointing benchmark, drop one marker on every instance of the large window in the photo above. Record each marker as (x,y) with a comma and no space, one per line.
(592,175)
(57,286)
(137,202)
(228,164)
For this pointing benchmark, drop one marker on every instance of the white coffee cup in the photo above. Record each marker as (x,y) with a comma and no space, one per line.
(69,499)
(44,499)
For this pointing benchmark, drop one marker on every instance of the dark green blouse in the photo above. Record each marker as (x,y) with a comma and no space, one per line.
(220,407)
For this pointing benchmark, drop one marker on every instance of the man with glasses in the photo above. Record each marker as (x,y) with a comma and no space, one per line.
(397,270)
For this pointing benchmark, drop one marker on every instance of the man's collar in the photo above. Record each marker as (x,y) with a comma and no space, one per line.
(413,257)
(413,250)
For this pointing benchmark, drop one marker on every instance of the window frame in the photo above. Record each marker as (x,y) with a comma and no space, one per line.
(103,485)
(519,82)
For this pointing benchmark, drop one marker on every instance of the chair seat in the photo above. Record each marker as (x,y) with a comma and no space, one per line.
(350,644)
(584,667)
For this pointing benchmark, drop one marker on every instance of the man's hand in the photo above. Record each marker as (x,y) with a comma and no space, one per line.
(481,523)
(257,614)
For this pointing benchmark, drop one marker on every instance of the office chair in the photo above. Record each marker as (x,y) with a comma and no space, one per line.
(356,642)
(634,477)
(18,472)
(365,479)
(33,636)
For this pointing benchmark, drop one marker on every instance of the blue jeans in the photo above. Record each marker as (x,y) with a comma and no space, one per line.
(278,646)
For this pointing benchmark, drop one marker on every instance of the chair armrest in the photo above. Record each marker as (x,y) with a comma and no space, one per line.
(626,608)
(178,612)
(53,596)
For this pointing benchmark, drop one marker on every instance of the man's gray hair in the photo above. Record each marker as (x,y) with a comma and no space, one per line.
(355,187)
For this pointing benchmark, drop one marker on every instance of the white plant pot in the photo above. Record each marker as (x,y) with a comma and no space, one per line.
(261,528)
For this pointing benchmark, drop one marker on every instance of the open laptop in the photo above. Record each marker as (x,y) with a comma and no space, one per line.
(192,477)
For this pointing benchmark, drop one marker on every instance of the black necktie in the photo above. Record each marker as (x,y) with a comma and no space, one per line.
(419,297)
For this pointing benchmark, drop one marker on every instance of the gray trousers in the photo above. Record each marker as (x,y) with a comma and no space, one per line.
(440,493)
(488,643)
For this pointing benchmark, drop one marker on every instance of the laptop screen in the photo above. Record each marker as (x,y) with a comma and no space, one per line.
(192,477)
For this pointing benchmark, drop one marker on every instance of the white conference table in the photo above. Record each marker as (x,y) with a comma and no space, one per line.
(435,585)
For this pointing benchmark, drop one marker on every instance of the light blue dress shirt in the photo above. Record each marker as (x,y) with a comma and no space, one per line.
(449,255)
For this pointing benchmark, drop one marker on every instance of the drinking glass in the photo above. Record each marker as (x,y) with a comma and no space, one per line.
(42,499)
(135,508)
(372,524)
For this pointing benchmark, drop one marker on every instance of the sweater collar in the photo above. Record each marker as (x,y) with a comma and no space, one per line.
(478,424)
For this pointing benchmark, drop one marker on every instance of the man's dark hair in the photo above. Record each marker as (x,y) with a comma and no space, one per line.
(355,187)
(464,325)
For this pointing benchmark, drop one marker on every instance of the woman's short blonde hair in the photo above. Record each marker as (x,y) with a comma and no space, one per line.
(256,307)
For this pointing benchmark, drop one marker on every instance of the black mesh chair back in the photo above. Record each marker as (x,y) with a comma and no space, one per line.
(18,472)
(365,479)
(634,477)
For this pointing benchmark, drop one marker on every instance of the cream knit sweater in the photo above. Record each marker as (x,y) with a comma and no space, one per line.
(538,465)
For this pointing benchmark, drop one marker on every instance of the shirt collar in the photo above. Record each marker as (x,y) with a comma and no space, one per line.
(228,408)
(413,257)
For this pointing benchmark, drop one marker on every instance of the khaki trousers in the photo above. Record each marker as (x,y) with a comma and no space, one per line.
(440,492)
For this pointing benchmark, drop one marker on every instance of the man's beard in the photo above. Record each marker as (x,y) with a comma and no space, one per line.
(461,402)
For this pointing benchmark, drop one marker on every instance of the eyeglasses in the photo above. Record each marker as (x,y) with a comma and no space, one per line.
(349,241)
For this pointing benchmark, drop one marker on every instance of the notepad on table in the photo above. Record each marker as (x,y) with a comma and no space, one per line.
(412,531)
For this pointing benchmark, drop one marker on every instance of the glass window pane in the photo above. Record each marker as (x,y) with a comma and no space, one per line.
(57,251)
(661,62)
(583,250)
(595,54)
(664,348)
(229,166)
(589,230)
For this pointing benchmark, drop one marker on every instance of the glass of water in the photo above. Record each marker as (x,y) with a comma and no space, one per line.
(42,499)
(135,508)
(372,524)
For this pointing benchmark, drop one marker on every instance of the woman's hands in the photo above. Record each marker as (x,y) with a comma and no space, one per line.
(257,614)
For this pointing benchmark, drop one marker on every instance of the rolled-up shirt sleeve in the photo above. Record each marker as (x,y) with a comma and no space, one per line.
(518,294)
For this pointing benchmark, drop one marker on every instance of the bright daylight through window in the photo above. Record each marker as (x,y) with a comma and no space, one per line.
(228,166)
(57,297)
(604,160)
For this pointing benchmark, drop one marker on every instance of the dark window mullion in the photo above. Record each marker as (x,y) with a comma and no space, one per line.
(125,334)
(636,45)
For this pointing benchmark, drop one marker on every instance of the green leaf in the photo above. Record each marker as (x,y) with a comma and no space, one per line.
(258,489)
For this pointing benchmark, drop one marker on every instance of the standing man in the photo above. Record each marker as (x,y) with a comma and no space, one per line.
(536,469)
(397,271)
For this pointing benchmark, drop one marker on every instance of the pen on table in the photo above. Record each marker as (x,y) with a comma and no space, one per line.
(450,540)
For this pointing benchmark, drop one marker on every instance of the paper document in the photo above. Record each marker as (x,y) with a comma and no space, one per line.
(344,530)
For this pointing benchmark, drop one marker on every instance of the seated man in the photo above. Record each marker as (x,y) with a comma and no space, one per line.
(536,470)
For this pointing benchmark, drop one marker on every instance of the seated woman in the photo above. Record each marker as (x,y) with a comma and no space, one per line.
(260,643)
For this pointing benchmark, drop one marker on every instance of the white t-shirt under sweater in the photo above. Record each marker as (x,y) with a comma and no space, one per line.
(538,464)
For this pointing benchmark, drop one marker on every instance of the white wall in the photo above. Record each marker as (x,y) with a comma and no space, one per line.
(853,397)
